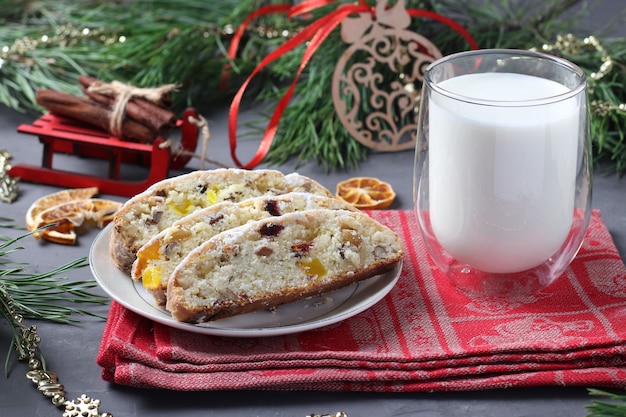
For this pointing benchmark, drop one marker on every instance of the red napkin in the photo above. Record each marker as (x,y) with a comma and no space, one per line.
(425,335)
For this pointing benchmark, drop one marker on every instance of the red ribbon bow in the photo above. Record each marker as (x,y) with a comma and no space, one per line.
(315,34)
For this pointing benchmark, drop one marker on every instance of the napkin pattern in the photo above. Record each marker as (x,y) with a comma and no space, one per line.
(425,335)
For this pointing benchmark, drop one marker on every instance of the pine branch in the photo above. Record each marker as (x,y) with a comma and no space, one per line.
(616,407)
(47,295)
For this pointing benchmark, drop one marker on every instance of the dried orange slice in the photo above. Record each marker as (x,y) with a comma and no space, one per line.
(72,214)
(54,199)
(366,193)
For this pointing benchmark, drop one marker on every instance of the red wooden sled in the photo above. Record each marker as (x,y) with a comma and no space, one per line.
(68,136)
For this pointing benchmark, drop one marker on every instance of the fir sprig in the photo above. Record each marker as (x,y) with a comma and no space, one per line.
(48,296)
(615,407)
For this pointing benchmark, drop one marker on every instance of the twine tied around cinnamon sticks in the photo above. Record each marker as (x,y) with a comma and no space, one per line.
(123,93)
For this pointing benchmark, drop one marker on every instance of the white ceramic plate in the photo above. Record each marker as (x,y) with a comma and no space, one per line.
(298,316)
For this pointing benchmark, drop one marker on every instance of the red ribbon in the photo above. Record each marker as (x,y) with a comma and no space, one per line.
(315,34)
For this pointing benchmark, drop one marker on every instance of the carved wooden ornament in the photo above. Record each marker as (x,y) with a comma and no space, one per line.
(377,81)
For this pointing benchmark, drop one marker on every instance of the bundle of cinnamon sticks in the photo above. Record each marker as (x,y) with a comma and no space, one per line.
(145,112)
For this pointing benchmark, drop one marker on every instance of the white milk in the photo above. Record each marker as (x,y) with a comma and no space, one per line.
(502,179)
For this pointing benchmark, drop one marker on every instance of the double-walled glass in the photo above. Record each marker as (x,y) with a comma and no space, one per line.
(502,181)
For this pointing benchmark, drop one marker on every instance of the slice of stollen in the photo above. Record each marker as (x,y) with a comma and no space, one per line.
(167,201)
(157,259)
(277,260)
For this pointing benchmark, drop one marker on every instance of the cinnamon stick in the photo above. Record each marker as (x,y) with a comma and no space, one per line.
(83,109)
(156,118)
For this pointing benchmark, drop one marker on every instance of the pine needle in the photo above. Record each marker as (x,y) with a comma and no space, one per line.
(615,407)
(48,296)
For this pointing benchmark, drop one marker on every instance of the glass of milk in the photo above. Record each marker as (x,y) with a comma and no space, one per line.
(502,181)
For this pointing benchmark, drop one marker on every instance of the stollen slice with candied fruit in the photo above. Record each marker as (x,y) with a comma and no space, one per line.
(157,259)
(277,260)
(54,199)
(366,193)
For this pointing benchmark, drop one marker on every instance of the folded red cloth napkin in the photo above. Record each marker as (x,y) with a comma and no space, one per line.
(425,335)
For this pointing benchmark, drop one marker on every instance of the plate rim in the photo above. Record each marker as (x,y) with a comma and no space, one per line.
(382,284)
